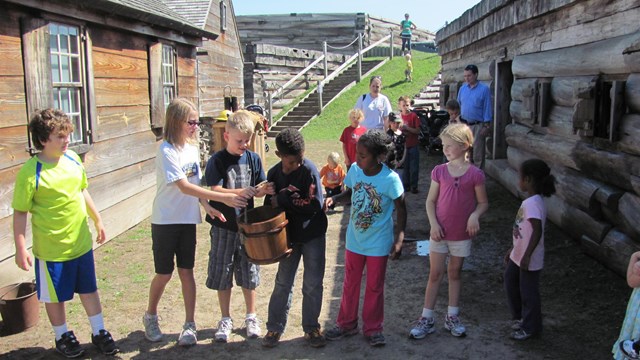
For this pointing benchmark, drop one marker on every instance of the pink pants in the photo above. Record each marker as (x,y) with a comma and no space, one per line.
(373,306)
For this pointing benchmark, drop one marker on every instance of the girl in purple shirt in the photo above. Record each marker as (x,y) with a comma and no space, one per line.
(457,198)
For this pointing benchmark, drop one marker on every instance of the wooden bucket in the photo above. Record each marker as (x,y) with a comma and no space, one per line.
(19,307)
(264,234)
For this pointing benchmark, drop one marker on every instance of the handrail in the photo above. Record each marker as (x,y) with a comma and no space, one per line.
(337,71)
(277,92)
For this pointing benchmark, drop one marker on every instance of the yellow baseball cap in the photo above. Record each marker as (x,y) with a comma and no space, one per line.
(224,115)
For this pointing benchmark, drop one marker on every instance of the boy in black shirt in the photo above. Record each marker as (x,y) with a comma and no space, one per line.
(298,191)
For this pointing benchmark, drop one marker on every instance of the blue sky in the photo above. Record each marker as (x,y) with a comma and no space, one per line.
(427,14)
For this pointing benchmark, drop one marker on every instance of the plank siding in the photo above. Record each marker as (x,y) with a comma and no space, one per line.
(116,153)
(13,146)
(115,121)
(13,105)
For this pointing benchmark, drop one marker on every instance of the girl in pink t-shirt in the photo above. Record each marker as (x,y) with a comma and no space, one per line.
(457,198)
(525,259)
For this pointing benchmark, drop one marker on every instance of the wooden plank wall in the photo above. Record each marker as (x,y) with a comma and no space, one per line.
(563,43)
(221,66)
(120,164)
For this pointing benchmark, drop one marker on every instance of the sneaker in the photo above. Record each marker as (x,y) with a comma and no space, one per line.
(376,340)
(424,327)
(151,328)
(453,324)
(104,342)
(252,326)
(628,348)
(520,335)
(69,346)
(516,325)
(271,340)
(188,335)
(338,333)
(315,338)
(224,330)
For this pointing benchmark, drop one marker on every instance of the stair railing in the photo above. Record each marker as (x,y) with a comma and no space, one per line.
(358,55)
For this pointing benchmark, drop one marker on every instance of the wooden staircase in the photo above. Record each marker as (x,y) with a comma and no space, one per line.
(429,96)
(308,108)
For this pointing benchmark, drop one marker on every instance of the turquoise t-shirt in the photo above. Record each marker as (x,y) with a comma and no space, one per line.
(370,230)
(406,28)
(58,210)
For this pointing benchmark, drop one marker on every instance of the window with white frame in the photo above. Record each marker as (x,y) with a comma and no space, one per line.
(67,77)
(168,74)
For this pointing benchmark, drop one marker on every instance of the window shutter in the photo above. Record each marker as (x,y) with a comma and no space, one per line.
(155,86)
(37,69)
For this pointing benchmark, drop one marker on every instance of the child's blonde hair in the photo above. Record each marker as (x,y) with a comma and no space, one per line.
(333,156)
(178,113)
(356,114)
(407,56)
(459,133)
(241,120)
(405,98)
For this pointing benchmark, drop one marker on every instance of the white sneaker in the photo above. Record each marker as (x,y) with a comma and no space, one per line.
(224,330)
(151,328)
(252,326)
(188,335)
(454,324)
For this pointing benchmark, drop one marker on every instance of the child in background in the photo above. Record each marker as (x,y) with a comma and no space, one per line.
(456,200)
(350,136)
(175,214)
(525,259)
(298,192)
(453,108)
(375,190)
(396,156)
(234,170)
(409,70)
(628,344)
(332,175)
(411,129)
(52,186)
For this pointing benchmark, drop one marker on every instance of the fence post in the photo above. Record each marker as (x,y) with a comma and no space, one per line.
(359,57)
(391,44)
(270,107)
(320,88)
(325,59)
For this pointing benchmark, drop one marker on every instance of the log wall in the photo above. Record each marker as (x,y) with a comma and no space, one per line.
(563,56)
(120,163)
(309,31)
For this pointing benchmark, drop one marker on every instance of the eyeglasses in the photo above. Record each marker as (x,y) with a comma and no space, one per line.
(193,123)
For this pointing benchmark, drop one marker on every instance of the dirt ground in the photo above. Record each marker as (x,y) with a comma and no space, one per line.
(583,302)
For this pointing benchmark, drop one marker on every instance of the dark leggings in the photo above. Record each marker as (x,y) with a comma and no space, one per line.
(407,41)
(523,296)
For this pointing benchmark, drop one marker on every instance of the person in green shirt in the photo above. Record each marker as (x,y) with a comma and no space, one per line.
(406,26)
(52,186)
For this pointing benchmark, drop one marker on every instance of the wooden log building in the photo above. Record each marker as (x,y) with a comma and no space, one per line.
(113,65)
(565,77)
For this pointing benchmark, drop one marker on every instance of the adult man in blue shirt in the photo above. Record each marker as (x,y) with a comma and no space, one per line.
(476,108)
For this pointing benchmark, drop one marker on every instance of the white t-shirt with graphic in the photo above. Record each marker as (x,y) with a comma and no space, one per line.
(531,208)
(171,206)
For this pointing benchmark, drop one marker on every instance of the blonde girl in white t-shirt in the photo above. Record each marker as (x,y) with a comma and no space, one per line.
(175,214)
(525,259)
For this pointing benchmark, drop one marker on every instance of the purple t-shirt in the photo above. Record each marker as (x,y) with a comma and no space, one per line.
(456,200)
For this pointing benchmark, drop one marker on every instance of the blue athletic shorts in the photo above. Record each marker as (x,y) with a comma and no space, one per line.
(57,281)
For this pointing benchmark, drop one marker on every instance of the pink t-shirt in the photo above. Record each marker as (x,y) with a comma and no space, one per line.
(456,200)
(531,208)
(349,137)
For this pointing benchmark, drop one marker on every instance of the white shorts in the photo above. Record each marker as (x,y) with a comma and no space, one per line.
(459,248)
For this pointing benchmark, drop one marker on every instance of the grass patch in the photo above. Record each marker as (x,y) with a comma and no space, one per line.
(333,120)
